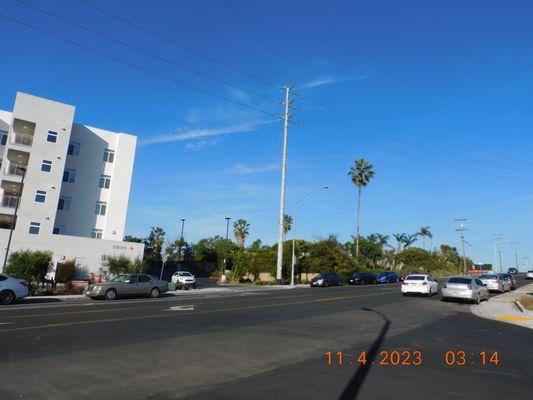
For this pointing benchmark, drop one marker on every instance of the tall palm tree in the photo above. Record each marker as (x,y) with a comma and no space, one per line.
(361,174)
(425,233)
(241,229)
(400,238)
(409,240)
(287,225)
(381,239)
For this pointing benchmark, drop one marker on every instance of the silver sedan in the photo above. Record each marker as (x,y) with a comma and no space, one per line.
(127,285)
(464,288)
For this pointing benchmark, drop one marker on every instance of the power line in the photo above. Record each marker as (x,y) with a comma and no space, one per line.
(175,43)
(139,67)
(143,51)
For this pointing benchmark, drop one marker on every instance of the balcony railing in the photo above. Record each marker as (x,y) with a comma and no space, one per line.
(23,139)
(9,201)
(15,169)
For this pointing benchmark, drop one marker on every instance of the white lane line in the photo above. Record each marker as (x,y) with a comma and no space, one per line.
(182,308)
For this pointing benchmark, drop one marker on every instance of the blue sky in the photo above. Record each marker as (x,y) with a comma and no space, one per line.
(437,95)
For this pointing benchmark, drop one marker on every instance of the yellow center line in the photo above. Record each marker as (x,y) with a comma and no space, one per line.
(67,313)
(153,316)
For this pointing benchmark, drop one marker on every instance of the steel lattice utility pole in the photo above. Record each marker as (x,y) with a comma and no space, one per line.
(286,118)
(462,230)
(515,254)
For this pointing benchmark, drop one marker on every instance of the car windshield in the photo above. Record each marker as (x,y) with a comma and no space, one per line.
(415,278)
(487,276)
(460,280)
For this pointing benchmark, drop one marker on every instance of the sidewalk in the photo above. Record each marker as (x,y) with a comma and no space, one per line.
(201,290)
(503,308)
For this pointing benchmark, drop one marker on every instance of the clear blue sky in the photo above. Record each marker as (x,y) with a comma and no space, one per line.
(438,97)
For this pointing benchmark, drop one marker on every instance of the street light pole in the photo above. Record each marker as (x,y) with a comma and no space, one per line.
(293,260)
(496,240)
(14,217)
(223,272)
(462,230)
(181,240)
(515,254)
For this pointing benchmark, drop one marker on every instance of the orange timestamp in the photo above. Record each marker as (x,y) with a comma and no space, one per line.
(451,358)
(385,358)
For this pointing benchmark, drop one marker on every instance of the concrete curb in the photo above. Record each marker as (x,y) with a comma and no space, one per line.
(520,306)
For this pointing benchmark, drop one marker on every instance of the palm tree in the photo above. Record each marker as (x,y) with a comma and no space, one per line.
(409,240)
(400,238)
(361,174)
(381,239)
(425,233)
(287,225)
(241,229)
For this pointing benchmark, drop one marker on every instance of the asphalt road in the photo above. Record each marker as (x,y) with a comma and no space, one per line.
(261,345)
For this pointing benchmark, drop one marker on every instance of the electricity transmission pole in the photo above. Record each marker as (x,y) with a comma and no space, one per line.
(286,118)
(495,241)
(462,230)
(515,254)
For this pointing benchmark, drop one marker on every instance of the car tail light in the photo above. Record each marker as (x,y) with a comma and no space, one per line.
(470,287)
(405,283)
(444,285)
(424,283)
(24,283)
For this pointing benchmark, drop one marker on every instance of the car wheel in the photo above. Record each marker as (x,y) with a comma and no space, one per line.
(111,294)
(7,297)
(443,299)
(404,294)
(326,284)
(478,299)
(154,293)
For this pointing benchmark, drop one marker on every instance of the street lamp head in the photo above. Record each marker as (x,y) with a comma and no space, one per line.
(228,218)
(325,187)
(183,220)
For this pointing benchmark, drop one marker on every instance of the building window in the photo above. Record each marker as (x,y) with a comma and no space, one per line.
(35,227)
(52,136)
(96,233)
(64,203)
(105,181)
(109,155)
(3,138)
(69,175)
(73,149)
(40,196)
(100,208)
(46,166)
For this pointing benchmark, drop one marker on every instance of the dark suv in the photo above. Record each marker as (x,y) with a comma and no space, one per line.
(326,279)
(363,278)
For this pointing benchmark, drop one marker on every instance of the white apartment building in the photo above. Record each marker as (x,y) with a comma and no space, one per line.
(73,180)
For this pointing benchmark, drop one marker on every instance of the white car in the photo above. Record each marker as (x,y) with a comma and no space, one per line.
(529,274)
(494,283)
(183,279)
(12,289)
(418,283)
(464,288)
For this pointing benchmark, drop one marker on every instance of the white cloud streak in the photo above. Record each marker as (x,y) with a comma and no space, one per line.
(247,169)
(328,80)
(192,134)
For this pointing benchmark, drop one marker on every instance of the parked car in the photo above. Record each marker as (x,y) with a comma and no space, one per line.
(326,279)
(529,274)
(387,277)
(127,285)
(405,274)
(510,278)
(512,270)
(12,289)
(419,283)
(494,283)
(183,279)
(363,278)
(464,288)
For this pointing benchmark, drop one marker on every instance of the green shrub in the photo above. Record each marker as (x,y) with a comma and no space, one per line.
(29,265)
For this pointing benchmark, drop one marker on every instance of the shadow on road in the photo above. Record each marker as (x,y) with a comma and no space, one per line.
(353,387)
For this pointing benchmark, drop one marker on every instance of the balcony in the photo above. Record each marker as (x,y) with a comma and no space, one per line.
(9,201)
(23,139)
(15,169)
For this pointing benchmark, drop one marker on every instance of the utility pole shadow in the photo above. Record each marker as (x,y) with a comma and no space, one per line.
(353,387)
